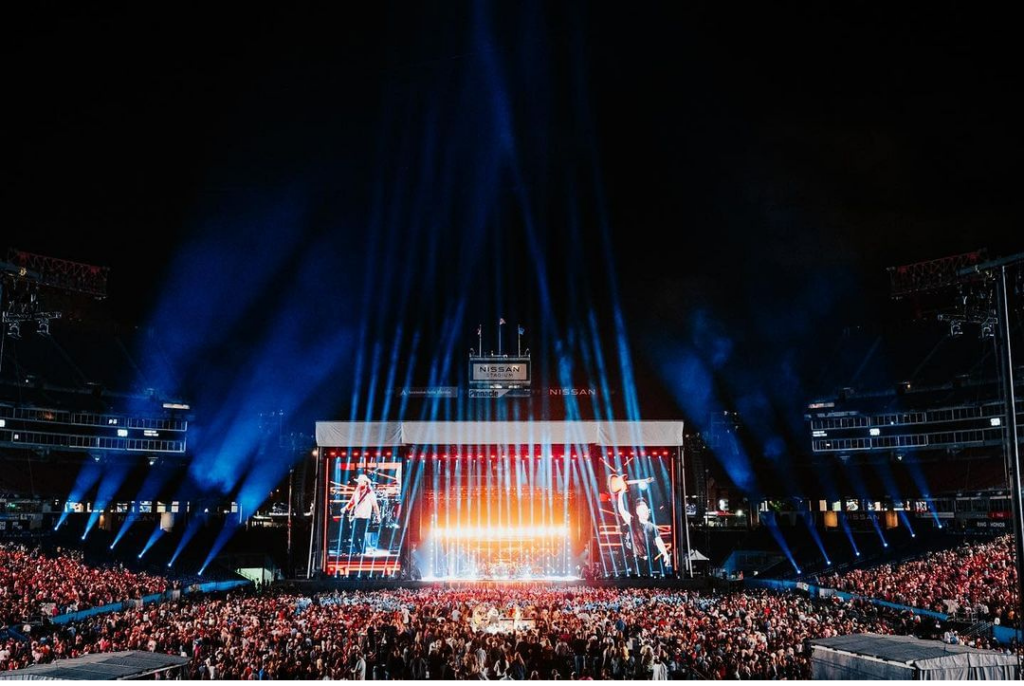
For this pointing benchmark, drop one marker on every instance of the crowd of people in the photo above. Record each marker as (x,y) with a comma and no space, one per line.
(976,575)
(566,633)
(33,583)
(497,631)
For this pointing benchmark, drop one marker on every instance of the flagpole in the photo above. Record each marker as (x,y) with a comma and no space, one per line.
(499,338)
(480,340)
(519,341)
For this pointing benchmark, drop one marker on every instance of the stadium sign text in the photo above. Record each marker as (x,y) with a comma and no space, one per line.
(500,372)
(571,391)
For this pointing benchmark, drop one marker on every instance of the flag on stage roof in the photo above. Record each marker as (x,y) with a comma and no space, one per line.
(501,321)
(521,331)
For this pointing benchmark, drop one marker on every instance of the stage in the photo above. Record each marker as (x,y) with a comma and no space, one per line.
(507,501)
(327,585)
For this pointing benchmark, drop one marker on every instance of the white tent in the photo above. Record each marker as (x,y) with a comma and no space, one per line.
(871,656)
(698,556)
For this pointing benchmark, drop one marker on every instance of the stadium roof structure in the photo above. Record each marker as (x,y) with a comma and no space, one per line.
(873,656)
(626,434)
(127,664)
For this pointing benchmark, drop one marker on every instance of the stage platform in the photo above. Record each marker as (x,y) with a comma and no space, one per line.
(324,585)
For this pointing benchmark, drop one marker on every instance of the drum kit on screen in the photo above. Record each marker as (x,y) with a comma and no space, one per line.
(390,509)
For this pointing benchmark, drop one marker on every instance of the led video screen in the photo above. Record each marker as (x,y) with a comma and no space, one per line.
(634,513)
(363,532)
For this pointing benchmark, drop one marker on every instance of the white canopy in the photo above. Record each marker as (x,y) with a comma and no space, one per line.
(383,434)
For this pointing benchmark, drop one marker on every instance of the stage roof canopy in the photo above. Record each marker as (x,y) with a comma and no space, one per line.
(610,434)
(127,664)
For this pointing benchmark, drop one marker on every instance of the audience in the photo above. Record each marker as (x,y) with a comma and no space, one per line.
(510,632)
(31,582)
(979,575)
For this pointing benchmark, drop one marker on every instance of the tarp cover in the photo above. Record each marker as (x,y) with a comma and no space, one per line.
(871,656)
(127,664)
(384,434)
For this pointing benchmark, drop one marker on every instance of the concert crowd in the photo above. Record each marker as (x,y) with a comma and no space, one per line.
(979,575)
(511,632)
(31,583)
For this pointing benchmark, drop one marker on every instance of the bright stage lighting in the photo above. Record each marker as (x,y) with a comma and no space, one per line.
(500,532)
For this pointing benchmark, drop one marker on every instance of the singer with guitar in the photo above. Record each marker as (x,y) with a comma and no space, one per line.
(359,510)
(618,486)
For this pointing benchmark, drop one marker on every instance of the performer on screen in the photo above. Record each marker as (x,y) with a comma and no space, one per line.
(359,510)
(652,546)
(618,486)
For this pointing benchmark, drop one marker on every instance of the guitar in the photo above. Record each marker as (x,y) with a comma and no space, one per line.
(617,483)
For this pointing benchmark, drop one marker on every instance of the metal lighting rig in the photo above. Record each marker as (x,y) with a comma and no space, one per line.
(984,293)
(24,274)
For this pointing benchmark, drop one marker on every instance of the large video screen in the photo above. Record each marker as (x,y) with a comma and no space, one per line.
(363,532)
(634,514)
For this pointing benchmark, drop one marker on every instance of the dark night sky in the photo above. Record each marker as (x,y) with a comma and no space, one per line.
(742,155)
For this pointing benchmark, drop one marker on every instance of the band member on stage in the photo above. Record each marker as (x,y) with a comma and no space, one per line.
(359,510)
(652,547)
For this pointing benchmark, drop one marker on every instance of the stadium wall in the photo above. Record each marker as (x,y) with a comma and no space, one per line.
(212,587)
